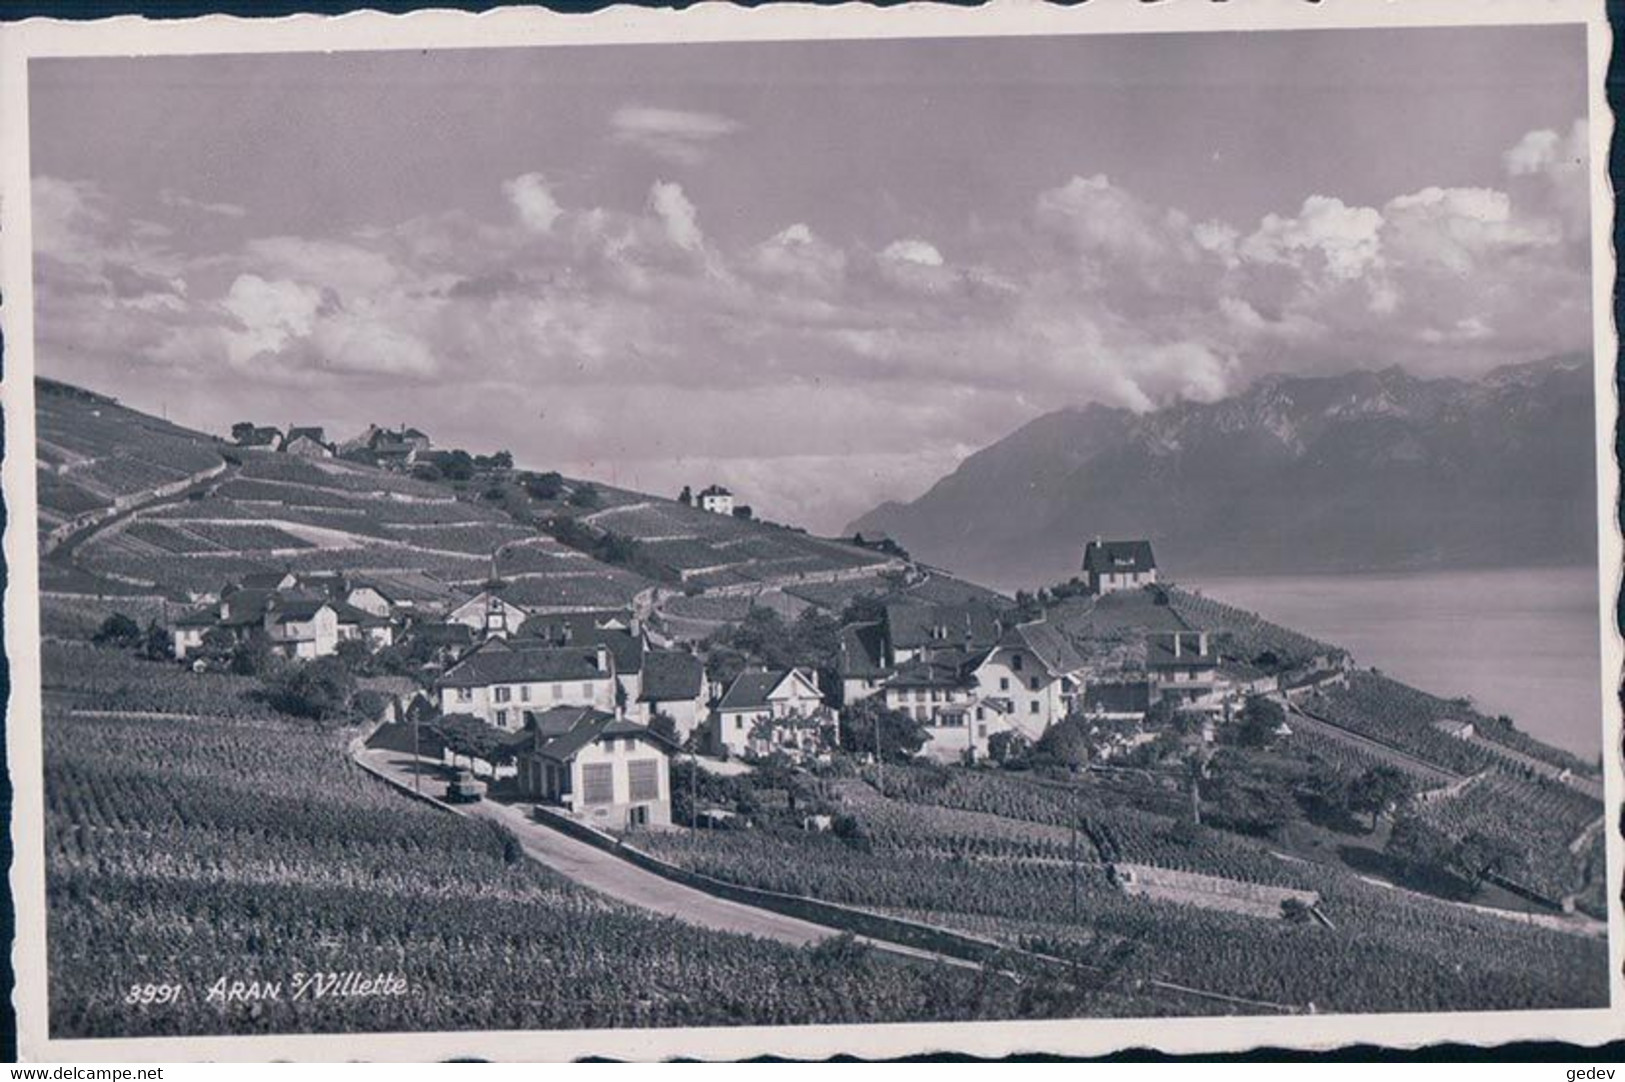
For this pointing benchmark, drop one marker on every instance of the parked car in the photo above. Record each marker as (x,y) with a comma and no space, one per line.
(464,788)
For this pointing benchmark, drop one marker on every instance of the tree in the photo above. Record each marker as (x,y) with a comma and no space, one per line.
(1066,743)
(468,736)
(1380,790)
(250,655)
(242,430)
(156,644)
(663,726)
(354,655)
(118,630)
(585,495)
(426,471)
(218,645)
(1009,748)
(544,486)
(743,511)
(686,497)
(456,465)
(502,460)
(319,690)
(1259,720)
(1246,802)
(900,736)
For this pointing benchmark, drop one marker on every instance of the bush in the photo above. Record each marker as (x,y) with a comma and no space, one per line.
(544,486)
(320,690)
(118,630)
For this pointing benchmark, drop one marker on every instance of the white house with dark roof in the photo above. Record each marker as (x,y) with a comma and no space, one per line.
(778,710)
(1184,667)
(716,499)
(500,685)
(303,628)
(674,684)
(914,629)
(1118,565)
(1035,676)
(306,442)
(604,770)
(943,696)
(861,664)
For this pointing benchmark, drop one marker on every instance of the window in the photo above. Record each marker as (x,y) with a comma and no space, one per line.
(629,743)
(1032,707)
(586,690)
(739,724)
(981,732)
(502,719)
(981,715)
(465,695)
(598,783)
(1015,662)
(555,691)
(524,693)
(643,779)
(1004,683)
(936,696)
(1032,683)
(504,694)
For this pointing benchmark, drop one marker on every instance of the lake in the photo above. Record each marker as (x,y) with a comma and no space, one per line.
(1520,643)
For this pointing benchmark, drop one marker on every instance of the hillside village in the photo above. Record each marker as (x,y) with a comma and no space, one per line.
(723,692)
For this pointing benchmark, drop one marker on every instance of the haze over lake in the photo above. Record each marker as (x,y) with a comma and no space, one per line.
(1520,642)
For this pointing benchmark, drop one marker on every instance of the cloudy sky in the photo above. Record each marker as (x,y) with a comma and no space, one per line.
(819,273)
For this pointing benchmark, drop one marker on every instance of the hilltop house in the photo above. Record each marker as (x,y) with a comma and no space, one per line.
(252,435)
(1184,666)
(773,711)
(604,770)
(489,615)
(674,684)
(306,442)
(1118,565)
(500,685)
(717,500)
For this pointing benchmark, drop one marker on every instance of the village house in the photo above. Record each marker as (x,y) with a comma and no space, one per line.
(252,435)
(443,644)
(1118,565)
(302,628)
(1033,675)
(773,711)
(675,686)
(717,500)
(604,770)
(306,442)
(916,630)
(861,665)
(1183,666)
(489,615)
(625,639)
(942,695)
(500,685)
(186,633)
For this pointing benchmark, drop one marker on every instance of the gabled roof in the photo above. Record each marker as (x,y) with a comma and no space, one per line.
(863,651)
(298,609)
(544,725)
(247,607)
(627,647)
(486,667)
(714,490)
(198,618)
(671,676)
(1046,642)
(1118,557)
(484,598)
(349,614)
(750,689)
(310,432)
(444,634)
(912,625)
(563,748)
(259,580)
(937,673)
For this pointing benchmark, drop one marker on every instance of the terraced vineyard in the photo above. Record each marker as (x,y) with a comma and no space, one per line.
(991,856)
(224,841)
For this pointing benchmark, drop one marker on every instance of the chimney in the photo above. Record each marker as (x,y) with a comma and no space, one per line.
(602,658)
(1201,642)
(1178,638)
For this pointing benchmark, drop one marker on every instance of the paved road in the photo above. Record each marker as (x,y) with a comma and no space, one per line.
(609,875)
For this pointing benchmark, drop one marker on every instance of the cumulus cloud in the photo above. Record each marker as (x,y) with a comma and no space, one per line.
(533,201)
(626,321)
(680,136)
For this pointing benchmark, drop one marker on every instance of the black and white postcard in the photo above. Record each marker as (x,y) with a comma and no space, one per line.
(812,531)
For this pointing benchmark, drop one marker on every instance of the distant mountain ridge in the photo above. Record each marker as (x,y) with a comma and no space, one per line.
(1365,471)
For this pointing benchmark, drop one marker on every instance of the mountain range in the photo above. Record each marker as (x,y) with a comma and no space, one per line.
(1375,470)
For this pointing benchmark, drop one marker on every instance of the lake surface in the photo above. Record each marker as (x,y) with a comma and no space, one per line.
(1520,643)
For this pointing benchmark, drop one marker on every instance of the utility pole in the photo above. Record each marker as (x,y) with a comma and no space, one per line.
(693,789)
(880,764)
(417,760)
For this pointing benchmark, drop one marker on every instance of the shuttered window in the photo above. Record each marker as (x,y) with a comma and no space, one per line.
(598,783)
(644,777)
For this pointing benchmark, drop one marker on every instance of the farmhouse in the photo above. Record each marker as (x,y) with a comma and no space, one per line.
(1035,669)
(301,628)
(717,500)
(308,442)
(1184,666)
(861,665)
(607,771)
(674,685)
(1118,565)
(500,685)
(489,615)
(766,711)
